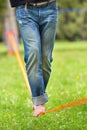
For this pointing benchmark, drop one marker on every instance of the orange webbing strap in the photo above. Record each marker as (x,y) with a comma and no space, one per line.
(18,56)
(71,104)
(12,32)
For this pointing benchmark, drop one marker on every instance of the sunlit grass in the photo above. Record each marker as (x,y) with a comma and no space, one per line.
(68,82)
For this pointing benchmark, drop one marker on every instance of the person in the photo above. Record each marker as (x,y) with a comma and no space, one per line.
(37,20)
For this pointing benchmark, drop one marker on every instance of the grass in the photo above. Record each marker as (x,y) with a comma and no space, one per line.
(68,82)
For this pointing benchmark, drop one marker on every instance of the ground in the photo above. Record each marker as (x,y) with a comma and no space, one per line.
(68,82)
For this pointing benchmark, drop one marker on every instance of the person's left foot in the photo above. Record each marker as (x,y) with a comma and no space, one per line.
(39,110)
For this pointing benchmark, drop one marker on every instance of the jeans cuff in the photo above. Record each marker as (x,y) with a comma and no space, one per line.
(42,99)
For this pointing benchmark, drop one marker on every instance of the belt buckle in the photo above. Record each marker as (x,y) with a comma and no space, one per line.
(35,4)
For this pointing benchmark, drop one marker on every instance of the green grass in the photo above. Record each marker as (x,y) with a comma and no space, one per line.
(68,82)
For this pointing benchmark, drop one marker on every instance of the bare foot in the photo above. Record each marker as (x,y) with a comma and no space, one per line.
(39,110)
(34,107)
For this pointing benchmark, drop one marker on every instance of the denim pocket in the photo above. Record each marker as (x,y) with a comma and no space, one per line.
(21,15)
(53,6)
(21,12)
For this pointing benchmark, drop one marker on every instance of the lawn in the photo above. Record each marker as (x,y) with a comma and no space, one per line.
(68,82)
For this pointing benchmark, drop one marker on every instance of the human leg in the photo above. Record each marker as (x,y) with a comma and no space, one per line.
(32,50)
(48,31)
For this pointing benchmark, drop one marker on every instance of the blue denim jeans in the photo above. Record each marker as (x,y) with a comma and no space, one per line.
(38,27)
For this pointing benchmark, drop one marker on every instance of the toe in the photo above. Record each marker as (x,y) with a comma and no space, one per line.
(39,110)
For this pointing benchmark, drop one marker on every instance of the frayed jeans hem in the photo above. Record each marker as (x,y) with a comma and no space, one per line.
(39,100)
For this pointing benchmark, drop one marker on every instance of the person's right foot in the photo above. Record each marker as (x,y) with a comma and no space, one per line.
(39,110)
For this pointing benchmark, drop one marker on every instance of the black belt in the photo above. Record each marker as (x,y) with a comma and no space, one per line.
(38,4)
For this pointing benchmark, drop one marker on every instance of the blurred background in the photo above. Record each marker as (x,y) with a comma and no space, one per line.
(72,23)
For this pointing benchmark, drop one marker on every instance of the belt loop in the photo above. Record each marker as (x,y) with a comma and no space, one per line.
(48,2)
(25,6)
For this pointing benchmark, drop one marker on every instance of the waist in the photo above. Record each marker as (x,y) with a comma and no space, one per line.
(40,3)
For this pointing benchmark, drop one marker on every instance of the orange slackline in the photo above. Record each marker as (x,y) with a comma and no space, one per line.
(18,56)
(71,104)
(12,32)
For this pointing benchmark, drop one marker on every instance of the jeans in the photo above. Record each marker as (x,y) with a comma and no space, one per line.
(38,28)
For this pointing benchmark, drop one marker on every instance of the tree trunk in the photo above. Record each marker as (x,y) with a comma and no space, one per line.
(10,26)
